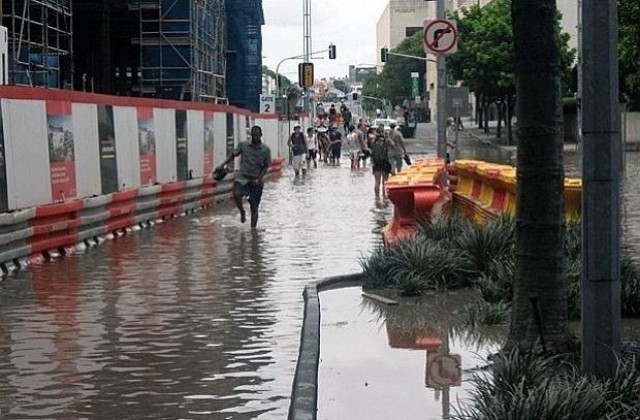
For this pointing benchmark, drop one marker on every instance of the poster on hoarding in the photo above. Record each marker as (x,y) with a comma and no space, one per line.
(230,139)
(147,146)
(107,148)
(182,145)
(208,142)
(61,151)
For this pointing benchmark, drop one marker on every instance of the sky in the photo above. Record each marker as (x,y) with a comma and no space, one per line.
(349,24)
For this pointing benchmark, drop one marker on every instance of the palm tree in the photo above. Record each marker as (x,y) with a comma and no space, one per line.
(539,284)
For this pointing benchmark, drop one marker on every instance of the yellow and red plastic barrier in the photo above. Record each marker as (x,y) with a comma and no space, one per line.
(415,193)
(481,190)
(33,235)
(486,190)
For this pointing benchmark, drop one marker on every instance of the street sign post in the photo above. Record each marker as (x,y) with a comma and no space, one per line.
(440,36)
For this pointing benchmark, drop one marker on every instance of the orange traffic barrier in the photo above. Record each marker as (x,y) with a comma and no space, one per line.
(413,192)
(486,190)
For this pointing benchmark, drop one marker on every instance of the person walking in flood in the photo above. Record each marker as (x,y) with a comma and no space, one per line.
(312,142)
(298,145)
(380,146)
(398,151)
(255,158)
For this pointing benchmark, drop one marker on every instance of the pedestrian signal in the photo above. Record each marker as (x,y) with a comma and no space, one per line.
(305,75)
(384,54)
(332,52)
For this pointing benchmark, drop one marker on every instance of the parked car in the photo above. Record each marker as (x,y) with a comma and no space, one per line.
(386,122)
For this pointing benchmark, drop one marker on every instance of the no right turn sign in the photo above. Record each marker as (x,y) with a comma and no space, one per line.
(440,36)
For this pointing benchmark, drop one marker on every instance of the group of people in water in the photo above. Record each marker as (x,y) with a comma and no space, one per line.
(327,142)
(324,142)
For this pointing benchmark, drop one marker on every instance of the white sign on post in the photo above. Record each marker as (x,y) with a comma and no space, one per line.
(267,104)
(440,36)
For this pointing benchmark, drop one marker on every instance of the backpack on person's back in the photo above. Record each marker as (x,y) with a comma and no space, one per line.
(379,151)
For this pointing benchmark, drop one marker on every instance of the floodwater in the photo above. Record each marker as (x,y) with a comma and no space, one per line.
(196,318)
(411,361)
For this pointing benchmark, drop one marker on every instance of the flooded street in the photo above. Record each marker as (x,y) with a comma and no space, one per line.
(199,317)
(380,362)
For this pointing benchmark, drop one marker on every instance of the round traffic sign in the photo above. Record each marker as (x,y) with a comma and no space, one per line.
(440,36)
(444,369)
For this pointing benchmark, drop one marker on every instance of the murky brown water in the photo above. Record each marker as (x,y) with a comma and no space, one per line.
(198,317)
(380,362)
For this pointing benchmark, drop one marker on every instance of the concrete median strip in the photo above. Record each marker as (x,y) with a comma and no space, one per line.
(304,395)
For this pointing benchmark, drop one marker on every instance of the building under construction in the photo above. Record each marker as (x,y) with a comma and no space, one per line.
(244,59)
(40,34)
(198,50)
(154,48)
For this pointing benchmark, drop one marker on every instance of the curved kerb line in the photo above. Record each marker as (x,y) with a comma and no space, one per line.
(304,394)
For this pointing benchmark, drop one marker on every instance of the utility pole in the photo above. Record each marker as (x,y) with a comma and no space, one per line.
(307,45)
(600,189)
(442,93)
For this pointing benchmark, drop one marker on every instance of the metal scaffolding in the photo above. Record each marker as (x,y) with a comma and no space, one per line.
(40,42)
(182,49)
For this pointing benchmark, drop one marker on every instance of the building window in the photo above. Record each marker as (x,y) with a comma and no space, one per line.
(410,31)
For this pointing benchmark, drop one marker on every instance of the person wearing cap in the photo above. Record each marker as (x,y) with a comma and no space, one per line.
(298,145)
(255,158)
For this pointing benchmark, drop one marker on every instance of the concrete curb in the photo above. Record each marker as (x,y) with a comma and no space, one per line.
(304,395)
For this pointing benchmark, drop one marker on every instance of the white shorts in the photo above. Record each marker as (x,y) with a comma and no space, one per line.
(297,162)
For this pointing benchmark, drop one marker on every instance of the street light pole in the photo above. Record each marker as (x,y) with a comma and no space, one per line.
(600,189)
(307,46)
(442,93)
(291,58)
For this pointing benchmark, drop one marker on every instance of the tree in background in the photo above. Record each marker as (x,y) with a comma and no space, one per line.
(341,85)
(629,49)
(485,61)
(393,83)
(371,88)
(285,83)
(539,308)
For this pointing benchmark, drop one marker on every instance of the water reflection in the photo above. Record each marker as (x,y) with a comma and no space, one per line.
(198,317)
(414,358)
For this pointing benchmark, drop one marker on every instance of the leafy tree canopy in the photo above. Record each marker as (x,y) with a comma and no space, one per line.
(285,83)
(629,49)
(485,60)
(394,81)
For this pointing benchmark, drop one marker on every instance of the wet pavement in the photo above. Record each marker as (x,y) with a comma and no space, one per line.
(198,317)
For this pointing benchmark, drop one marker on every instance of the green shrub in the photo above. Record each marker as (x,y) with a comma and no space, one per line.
(416,265)
(630,286)
(526,386)
(444,229)
(485,313)
(484,243)
(496,284)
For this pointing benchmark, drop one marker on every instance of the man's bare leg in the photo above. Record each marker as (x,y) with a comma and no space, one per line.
(237,199)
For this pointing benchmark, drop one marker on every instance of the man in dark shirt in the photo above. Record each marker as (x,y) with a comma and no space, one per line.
(254,164)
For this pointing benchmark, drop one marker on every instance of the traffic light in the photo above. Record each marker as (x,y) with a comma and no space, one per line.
(332,52)
(305,74)
(384,54)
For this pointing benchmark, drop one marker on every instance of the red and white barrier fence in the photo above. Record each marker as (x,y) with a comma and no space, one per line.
(39,233)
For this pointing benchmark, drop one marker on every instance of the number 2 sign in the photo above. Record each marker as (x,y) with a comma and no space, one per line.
(267,104)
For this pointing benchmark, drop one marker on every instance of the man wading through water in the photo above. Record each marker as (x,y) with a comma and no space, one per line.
(254,164)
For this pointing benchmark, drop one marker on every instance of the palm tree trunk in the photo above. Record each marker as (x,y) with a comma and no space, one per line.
(540,181)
